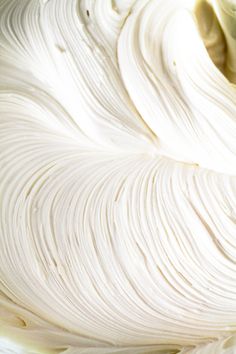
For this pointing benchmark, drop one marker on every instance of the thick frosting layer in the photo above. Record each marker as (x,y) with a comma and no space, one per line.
(117,177)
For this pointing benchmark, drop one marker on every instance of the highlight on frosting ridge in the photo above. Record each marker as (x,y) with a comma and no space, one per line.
(117,176)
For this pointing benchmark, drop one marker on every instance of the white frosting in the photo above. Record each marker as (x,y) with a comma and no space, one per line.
(117,178)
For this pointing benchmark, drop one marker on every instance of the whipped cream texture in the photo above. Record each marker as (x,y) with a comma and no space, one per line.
(117,176)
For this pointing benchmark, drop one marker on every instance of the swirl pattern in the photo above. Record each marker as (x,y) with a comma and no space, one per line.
(117,179)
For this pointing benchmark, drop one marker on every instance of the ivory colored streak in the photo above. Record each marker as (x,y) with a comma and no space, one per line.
(117,176)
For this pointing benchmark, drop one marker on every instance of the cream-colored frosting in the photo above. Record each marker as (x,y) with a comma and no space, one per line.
(117,177)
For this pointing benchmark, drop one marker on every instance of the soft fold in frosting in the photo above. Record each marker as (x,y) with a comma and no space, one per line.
(117,177)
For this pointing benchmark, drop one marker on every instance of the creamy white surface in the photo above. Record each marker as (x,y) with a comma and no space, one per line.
(117,179)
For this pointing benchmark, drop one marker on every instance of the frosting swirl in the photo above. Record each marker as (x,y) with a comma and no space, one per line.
(117,170)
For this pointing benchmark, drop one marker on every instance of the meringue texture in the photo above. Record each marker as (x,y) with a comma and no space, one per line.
(117,177)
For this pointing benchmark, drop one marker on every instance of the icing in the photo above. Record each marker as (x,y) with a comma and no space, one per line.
(117,176)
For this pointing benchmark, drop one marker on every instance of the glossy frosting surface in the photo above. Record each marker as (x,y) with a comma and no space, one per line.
(117,176)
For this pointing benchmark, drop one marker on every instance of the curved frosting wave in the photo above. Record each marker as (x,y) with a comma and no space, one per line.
(117,177)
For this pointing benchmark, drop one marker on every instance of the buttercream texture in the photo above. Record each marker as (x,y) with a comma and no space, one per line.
(117,176)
